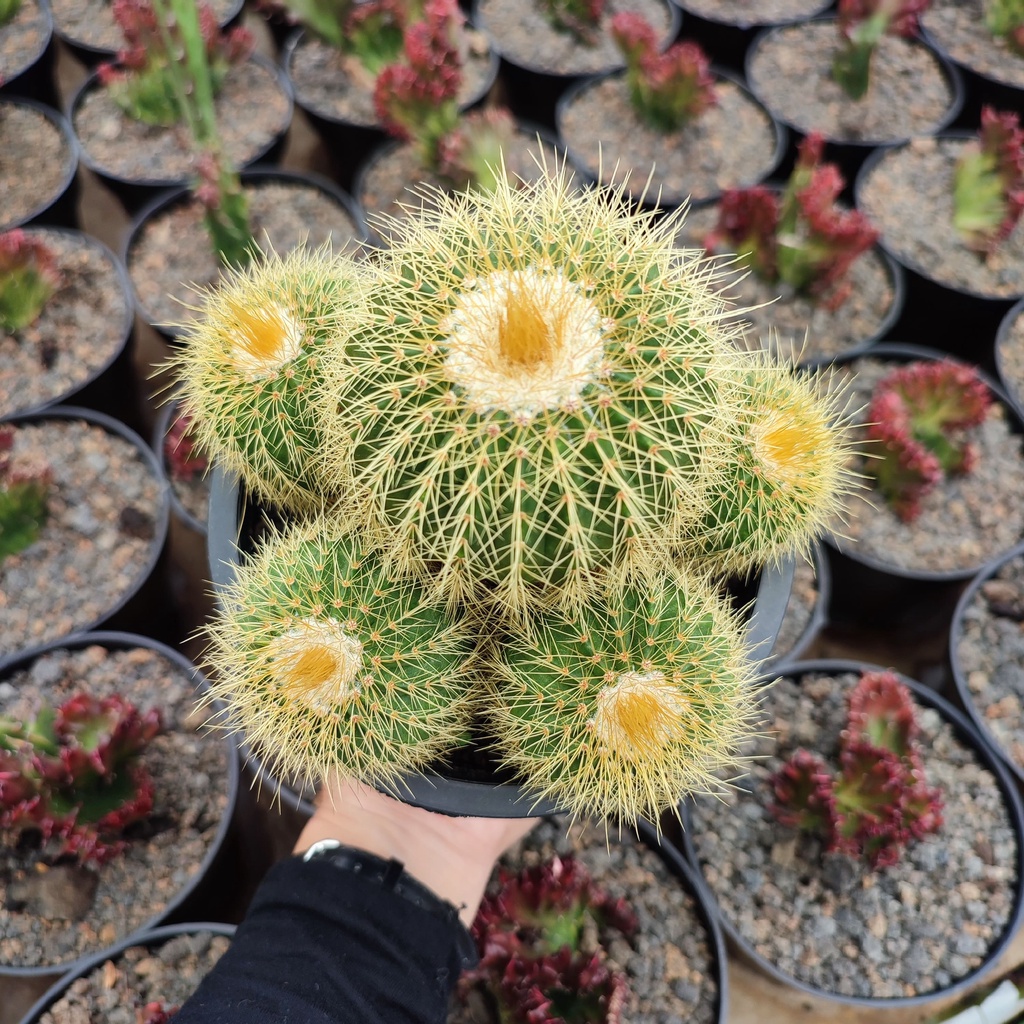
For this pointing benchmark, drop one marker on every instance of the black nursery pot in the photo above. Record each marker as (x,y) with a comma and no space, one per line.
(479,788)
(959,321)
(135,193)
(151,938)
(1014,388)
(33,76)
(967,734)
(210,889)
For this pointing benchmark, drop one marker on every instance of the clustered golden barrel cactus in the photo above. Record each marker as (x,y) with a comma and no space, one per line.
(516,452)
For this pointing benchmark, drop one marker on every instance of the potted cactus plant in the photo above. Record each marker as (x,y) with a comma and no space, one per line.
(26,49)
(808,272)
(672,126)
(151,148)
(459,551)
(863,780)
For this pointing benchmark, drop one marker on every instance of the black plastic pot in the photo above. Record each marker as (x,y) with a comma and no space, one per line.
(232,523)
(152,938)
(531,90)
(960,681)
(210,888)
(90,55)
(867,591)
(667,199)
(349,144)
(850,154)
(110,388)
(172,197)
(60,208)
(33,77)
(779,659)
(1013,389)
(957,320)
(970,736)
(134,193)
(136,608)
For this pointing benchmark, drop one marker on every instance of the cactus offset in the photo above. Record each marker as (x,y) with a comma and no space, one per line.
(28,277)
(802,238)
(142,83)
(251,364)
(919,415)
(878,799)
(24,492)
(988,186)
(862,24)
(330,664)
(73,774)
(1005,19)
(667,89)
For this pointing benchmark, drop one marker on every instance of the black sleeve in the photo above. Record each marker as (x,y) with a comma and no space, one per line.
(320,945)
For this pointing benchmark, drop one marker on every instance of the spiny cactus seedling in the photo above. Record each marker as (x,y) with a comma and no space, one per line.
(329,663)
(581,18)
(862,24)
(878,799)
(73,774)
(142,83)
(918,417)
(182,455)
(803,238)
(28,277)
(24,492)
(529,404)
(667,89)
(988,185)
(1005,19)
(536,936)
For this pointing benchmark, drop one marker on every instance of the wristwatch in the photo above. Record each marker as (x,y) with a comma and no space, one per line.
(391,874)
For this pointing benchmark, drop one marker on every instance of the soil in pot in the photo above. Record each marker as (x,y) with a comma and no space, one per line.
(37,160)
(170,260)
(908,194)
(526,38)
(958,28)
(965,521)
(789,70)
(106,523)
(733,144)
(192,773)
(23,39)
(670,963)
(1010,355)
(828,920)
(80,331)
(252,106)
(166,971)
(987,650)
(774,317)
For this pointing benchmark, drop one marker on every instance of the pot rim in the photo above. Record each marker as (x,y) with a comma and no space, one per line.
(986,76)
(1014,396)
(163,423)
(986,755)
(819,7)
(33,58)
(125,641)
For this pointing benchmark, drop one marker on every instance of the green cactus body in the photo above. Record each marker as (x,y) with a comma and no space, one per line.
(8,9)
(624,708)
(787,475)
(327,664)
(534,390)
(249,369)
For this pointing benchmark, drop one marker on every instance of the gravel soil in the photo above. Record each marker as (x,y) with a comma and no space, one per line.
(82,327)
(190,771)
(107,509)
(23,39)
(964,522)
(792,325)
(747,14)
(827,919)
(35,159)
(669,963)
(168,973)
(731,145)
(523,35)
(958,29)
(908,194)
(252,109)
(790,72)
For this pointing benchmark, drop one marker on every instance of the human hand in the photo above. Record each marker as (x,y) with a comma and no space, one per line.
(453,856)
